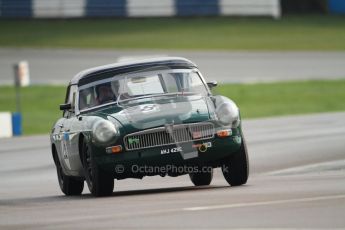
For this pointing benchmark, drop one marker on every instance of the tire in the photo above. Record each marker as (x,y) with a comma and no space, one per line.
(99,182)
(236,168)
(70,186)
(201,178)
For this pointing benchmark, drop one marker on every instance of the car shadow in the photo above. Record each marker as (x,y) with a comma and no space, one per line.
(165,190)
(141,192)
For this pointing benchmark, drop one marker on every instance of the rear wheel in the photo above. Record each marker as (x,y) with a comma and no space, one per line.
(236,168)
(99,182)
(70,186)
(202,178)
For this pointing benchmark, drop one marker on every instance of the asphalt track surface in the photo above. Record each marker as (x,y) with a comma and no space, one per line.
(297,182)
(58,66)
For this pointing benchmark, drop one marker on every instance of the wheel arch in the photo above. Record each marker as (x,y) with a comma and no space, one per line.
(81,139)
(54,153)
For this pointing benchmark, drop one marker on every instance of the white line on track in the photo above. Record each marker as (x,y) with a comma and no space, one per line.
(241,205)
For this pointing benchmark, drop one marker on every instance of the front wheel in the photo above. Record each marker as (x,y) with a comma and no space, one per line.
(70,186)
(99,182)
(202,178)
(236,168)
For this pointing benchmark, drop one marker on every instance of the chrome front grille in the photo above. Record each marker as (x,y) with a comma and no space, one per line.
(169,135)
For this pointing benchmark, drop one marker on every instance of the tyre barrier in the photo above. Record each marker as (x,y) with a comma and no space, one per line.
(137,8)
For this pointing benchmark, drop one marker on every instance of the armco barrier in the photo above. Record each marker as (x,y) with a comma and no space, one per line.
(197,7)
(150,8)
(250,7)
(105,8)
(16,8)
(58,8)
(5,124)
(336,6)
(137,8)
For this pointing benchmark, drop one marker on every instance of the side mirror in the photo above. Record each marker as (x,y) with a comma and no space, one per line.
(212,84)
(65,107)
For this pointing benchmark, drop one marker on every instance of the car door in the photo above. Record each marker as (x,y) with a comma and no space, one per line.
(69,136)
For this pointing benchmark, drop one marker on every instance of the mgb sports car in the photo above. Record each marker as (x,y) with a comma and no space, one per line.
(145,118)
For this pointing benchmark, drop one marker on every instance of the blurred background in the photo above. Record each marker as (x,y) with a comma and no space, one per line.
(281,61)
(272,57)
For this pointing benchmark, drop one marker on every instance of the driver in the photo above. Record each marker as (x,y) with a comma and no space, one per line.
(104,93)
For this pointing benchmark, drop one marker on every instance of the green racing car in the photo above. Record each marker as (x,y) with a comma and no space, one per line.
(145,118)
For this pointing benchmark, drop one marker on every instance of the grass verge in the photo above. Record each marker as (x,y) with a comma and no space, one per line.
(276,99)
(40,103)
(39,106)
(313,32)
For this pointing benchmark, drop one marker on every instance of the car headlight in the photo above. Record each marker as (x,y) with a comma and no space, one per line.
(228,114)
(104,131)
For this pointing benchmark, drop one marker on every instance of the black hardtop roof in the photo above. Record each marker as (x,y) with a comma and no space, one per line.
(100,72)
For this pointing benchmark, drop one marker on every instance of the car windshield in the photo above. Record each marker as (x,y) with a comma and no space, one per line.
(140,85)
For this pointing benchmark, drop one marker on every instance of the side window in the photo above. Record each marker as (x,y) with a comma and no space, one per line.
(171,83)
(193,83)
(71,98)
(87,98)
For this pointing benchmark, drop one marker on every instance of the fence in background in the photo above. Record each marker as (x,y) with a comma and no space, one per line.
(137,8)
